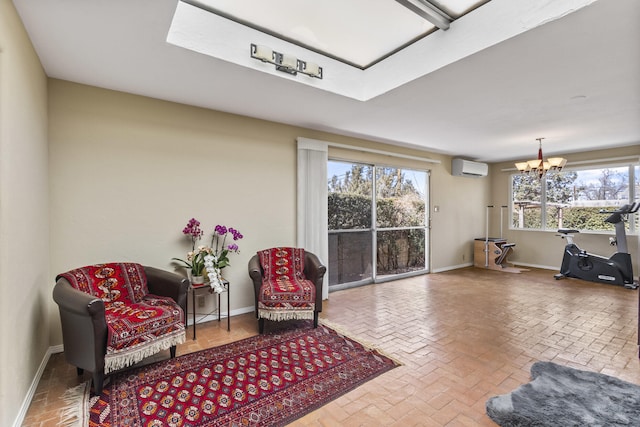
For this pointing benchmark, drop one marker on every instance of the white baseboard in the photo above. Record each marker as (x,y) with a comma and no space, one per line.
(56,349)
(451,267)
(521,264)
(34,385)
(544,267)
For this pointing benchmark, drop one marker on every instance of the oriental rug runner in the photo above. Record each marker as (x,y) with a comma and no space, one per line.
(266,380)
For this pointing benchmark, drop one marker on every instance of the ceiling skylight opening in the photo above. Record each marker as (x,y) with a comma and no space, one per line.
(359,33)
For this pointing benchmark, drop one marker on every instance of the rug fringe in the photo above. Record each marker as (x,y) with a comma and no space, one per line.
(366,344)
(280,315)
(131,355)
(75,413)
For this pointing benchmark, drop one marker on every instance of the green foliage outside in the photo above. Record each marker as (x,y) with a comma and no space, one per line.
(403,211)
(348,211)
(580,218)
(400,251)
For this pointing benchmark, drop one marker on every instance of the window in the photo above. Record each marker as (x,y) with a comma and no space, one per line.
(388,231)
(573,199)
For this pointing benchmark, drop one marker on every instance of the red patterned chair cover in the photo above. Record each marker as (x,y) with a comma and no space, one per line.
(139,324)
(285,292)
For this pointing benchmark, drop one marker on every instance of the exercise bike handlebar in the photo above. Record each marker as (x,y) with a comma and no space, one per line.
(625,209)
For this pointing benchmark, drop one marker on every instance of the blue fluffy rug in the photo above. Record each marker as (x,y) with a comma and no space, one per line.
(562,396)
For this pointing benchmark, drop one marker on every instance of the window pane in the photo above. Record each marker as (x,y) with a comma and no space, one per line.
(349,257)
(350,195)
(400,197)
(400,251)
(580,195)
(526,202)
(560,193)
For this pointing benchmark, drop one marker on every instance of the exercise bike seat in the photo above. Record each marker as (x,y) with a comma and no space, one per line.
(566,231)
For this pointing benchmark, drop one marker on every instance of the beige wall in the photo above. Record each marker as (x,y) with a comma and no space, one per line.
(544,248)
(127,172)
(24,229)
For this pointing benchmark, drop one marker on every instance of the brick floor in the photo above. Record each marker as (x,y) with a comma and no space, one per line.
(462,337)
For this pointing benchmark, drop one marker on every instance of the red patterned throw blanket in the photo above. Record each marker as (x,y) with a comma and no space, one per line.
(139,324)
(285,293)
(266,380)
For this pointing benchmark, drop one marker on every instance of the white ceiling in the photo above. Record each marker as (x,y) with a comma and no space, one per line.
(573,79)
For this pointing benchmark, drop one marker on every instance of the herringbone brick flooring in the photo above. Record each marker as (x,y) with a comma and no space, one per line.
(462,337)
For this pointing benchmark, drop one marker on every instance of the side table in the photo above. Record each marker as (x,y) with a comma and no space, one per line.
(198,288)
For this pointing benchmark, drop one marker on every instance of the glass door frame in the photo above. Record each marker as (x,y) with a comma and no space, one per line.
(373,230)
(426,227)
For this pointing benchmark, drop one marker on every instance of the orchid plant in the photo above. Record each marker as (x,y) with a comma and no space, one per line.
(213,258)
(218,258)
(195,257)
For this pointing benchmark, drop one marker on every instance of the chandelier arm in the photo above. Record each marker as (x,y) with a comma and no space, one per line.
(539,167)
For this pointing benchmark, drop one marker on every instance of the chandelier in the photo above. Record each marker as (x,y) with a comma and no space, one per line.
(539,166)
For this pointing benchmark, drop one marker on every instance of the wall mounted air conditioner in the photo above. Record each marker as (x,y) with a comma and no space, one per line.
(461,167)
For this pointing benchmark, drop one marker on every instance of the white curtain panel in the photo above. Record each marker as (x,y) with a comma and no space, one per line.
(312,231)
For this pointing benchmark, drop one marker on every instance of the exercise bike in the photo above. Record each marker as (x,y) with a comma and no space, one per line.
(616,270)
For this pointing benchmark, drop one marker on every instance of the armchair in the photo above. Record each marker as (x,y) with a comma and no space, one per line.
(287,285)
(114,315)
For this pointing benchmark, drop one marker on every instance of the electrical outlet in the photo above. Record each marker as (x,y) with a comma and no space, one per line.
(201,301)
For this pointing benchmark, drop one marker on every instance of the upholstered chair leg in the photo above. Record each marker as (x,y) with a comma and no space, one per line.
(315,319)
(261,325)
(98,381)
(80,371)
(172,351)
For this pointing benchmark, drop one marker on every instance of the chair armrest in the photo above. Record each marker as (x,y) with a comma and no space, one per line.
(84,327)
(77,302)
(255,272)
(314,270)
(166,284)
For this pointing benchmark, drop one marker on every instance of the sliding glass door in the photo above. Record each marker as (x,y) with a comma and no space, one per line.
(350,226)
(388,231)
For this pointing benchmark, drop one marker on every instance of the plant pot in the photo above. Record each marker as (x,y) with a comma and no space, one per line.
(197,280)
